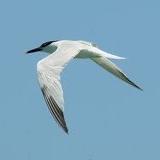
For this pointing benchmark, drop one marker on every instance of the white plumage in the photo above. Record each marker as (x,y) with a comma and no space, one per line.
(50,68)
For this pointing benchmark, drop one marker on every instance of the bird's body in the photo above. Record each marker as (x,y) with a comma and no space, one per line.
(50,68)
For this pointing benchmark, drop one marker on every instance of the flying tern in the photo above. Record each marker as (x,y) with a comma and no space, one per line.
(60,53)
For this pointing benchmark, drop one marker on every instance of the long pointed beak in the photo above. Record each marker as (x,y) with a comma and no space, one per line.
(34,50)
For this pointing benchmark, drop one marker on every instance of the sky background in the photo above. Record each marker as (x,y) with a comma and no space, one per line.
(107,119)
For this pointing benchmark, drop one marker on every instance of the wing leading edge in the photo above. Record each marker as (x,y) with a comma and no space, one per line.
(49,70)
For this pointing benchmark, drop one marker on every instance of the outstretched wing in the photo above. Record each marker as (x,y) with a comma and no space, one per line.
(112,68)
(49,70)
(103,59)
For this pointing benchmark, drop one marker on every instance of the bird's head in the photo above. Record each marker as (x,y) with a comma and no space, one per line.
(48,47)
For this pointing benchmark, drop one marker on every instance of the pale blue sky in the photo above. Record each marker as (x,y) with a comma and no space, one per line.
(107,119)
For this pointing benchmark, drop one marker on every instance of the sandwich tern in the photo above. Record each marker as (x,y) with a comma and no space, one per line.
(50,68)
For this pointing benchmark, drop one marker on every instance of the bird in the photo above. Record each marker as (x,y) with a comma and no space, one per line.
(60,53)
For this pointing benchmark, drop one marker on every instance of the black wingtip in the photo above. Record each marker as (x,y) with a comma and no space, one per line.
(64,127)
(66,131)
(126,79)
(56,112)
(134,85)
(139,88)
